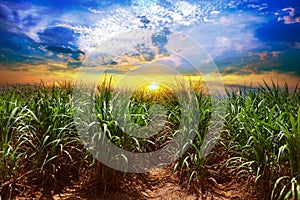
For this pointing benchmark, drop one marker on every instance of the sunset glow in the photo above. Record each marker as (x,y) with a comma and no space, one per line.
(248,41)
(153,86)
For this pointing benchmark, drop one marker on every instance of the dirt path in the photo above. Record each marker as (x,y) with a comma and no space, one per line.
(167,186)
(159,184)
(162,184)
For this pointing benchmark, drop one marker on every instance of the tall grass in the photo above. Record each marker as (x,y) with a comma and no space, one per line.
(262,137)
(39,144)
(40,148)
(192,164)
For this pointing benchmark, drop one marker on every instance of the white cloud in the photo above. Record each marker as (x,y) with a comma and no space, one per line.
(113,22)
(229,32)
(207,24)
(289,19)
(181,16)
(26,19)
(224,43)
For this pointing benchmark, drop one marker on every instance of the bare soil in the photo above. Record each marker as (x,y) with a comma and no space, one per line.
(220,183)
(162,184)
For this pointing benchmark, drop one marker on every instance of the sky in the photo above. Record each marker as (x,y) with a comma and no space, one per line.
(243,41)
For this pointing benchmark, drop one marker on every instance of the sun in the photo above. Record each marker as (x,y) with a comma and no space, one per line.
(153,86)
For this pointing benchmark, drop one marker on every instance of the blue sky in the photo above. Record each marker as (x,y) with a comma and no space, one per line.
(248,40)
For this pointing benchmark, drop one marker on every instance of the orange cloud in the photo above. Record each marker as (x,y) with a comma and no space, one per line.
(275,54)
(254,79)
(24,73)
(235,76)
(263,55)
